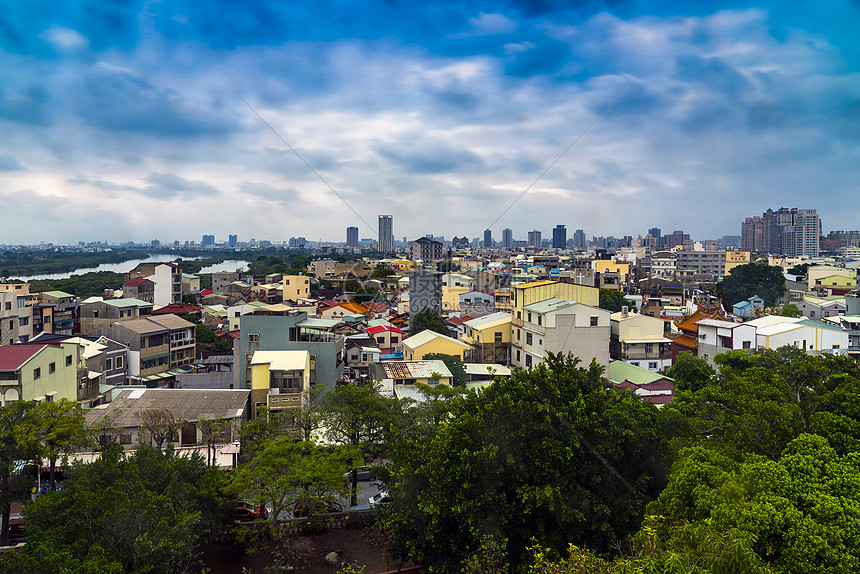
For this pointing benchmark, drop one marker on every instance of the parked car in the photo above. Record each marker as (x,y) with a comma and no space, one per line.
(246,511)
(379,498)
(317,507)
(363,474)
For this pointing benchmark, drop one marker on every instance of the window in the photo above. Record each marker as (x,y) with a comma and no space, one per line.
(124,439)
(539,319)
(68,360)
(498,336)
(8,305)
(519,315)
(394,340)
(380,340)
(594,321)
(528,338)
(37,373)
(652,364)
(108,364)
(253,338)
(52,367)
(95,313)
(12,324)
(528,360)
(518,355)
(747,344)
(518,334)
(529,316)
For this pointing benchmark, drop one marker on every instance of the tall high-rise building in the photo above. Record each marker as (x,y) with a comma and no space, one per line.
(579,239)
(655,232)
(232,240)
(386,234)
(791,232)
(208,240)
(507,237)
(488,238)
(559,237)
(352,236)
(534,239)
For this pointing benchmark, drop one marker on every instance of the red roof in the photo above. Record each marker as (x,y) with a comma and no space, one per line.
(13,356)
(135,282)
(206,292)
(376,307)
(381,328)
(177,308)
(457,321)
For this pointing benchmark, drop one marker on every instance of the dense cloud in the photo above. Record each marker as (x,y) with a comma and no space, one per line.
(438,113)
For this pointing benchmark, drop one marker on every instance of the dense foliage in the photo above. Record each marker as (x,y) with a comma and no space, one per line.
(92,284)
(513,464)
(744,281)
(33,262)
(613,300)
(454,364)
(142,513)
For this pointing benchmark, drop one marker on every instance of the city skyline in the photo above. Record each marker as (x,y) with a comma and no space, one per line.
(119,122)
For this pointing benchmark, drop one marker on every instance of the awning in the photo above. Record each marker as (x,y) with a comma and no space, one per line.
(93,374)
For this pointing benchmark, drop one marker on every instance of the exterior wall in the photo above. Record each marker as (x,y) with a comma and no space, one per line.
(817,272)
(168,285)
(735,258)
(436,346)
(451,297)
(566,330)
(522,295)
(296,287)
(16,316)
(815,339)
(740,338)
(63,381)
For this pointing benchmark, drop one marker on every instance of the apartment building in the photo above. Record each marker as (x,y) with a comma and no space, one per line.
(156,343)
(99,312)
(279,380)
(40,372)
(639,340)
(167,278)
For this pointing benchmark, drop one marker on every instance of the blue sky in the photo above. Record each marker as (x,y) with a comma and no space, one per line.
(118,124)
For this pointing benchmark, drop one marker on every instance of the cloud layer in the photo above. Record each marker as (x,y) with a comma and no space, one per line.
(120,123)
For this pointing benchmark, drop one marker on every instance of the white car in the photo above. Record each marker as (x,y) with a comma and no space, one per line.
(380,497)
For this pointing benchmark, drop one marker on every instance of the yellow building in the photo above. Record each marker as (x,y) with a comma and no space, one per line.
(735,258)
(279,379)
(528,293)
(296,287)
(490,337)
(610,266)
(403,264)
(426,342)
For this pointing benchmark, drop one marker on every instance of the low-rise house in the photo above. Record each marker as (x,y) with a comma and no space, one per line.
(64,313)
(819,308)
(814,337)
(489,337)
(16,313)
(411,372)
(748,308)
(646,384)
(99,312)
(835,285)
(167,278)
(717,337)
(295,287)
(141,288)
(386,336)
(189,406)
(190,284)
(428,342)
(560,326)
(477,303)
(343,309)
(360,351)
(639,340)
(41,372)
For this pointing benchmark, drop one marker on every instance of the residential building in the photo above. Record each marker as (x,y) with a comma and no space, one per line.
(426,250)
(207,241)
(141,288)
(190,284)
(40,372)
(560,326)
(489,337)
(711,263)
(295,287)
(645,384)
(156,344)
(188,405)
(528,293)
(477,303)
(735,258)
(408,373)
(221,279)
(428,342)
(791,232)
(559,237)
(639,340)
(97,312)
(360,351)
(749,308)
(664,264)
(717,337)
(818,308)
(167,278)
(579,241)
(386,336)
(16,313)
(534,239)
(279,380)
(352,236)
(386,234)
(286,330)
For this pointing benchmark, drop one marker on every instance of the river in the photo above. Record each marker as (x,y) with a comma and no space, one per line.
(126,266)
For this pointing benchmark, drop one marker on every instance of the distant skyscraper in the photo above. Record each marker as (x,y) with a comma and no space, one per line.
(579,239)
(534,239)
(791,232)
(352,236)
(208,240)
(232,240)
(386,234)
(488,238)
(507,238)
(559,237)
(655,232)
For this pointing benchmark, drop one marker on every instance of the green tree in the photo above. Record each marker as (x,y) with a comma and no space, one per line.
(285,475)
(143,513)
(790,310)
(454,364)
(744,281)
(357,416)
(16,443)
(351,286)
(533,456)
(381,272)
(800,270)
(426,319)
(612,300)
(214,431)
(690,372)
(160,425)
(803,509)
(61,429)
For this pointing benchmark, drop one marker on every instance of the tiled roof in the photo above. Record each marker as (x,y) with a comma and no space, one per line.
(13,356)
(187,404)
(135,282)
(177,308)
(685,341)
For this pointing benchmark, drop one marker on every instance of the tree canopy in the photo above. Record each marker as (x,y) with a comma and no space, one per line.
(426,319)
(744,281)
(613,300)
(513,464)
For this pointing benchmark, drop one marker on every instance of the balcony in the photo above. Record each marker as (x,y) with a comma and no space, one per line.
(181,343)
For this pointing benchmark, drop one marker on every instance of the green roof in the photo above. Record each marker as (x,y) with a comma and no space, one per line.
(58,294)
(621,371)
(819,324)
